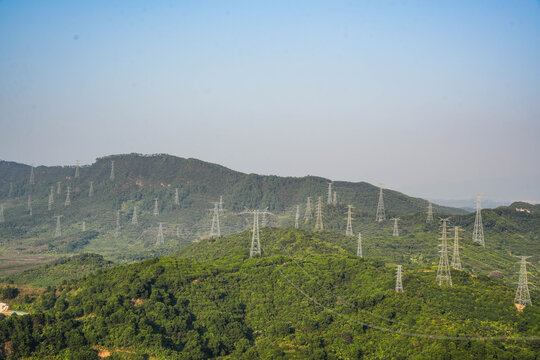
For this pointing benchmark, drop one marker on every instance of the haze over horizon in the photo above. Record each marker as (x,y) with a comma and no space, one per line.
(437,100)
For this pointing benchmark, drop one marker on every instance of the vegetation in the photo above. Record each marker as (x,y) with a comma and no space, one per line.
(139,180)
(61,270)
(307,297)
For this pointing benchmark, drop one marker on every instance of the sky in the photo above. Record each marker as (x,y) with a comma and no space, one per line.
(436,99)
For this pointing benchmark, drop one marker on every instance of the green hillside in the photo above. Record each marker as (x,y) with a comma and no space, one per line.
(140,179)
(306,297)
(61,270)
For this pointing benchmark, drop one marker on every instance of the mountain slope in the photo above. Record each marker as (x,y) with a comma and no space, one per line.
(138,181)
(305,298)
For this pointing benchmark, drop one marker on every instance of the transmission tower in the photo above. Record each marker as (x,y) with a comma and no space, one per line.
(2,213)
(58,187)
(177,231)
(117,231)
(396,229)
(523,297)
(334,200)
(160,239)
(156,210)
(297,216)
(176,198)
(456,261)
(349,231)
(32,179)
(77,169)
(429,219)
(264,219)
(215,231)
(10,194)
(330,198)
(318,221)
(380,206)
(478,231)
(359,248)
(309,212)
(255,248)
(443,271)
(134,218)
(112,170)
(84,226)
(68,197)
(58,231)
(221,204)
(91,191)
(29,204)
(51,199)
(399,284)
(255,237)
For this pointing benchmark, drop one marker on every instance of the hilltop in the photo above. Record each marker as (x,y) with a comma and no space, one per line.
(306,297)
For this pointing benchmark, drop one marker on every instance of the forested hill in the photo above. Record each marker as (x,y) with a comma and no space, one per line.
(306,297)
(158,175)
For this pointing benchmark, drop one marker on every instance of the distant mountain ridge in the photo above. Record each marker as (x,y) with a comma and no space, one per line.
(160,171)
(142,180)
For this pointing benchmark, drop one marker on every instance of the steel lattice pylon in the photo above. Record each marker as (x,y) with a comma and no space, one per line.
(522,293)
(478,231)
(380,206)
(443,271)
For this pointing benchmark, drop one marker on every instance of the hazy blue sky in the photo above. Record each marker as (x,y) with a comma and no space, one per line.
(439,99)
